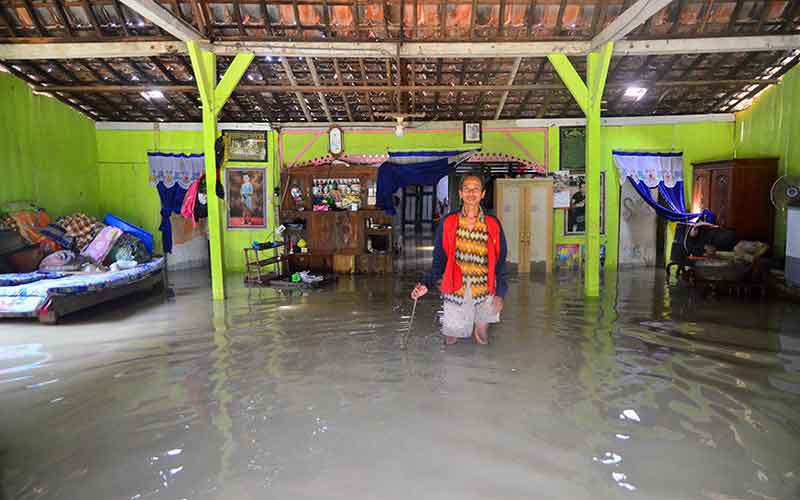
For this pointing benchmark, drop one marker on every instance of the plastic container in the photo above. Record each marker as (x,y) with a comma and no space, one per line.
(147,238)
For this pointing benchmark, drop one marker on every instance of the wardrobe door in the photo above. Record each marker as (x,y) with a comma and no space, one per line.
(539,227)
(721,182)
(701,191)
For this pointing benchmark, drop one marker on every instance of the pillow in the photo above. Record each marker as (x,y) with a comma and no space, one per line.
(97,250)
(63,260)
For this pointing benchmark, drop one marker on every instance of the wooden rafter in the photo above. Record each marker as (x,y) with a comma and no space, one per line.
(366,92)
(298,94)
(90,13)
(237,17)
(632,18)
(344,94)
(34,15)
(315,78)
(164,19)
(63,18)
(511,77)
(560,17)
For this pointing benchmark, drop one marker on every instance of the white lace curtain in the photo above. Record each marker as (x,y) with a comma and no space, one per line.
(650,168)
(171,168)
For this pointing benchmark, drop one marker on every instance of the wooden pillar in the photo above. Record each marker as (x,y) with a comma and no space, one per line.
(213,97)
(589,96)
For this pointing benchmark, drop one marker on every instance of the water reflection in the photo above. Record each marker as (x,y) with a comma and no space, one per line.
(648,390)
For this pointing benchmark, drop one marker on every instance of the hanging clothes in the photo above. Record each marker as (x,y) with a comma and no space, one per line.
(195,203)
(662,170)
(173,174)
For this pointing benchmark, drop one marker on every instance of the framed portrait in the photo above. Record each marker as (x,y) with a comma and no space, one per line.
(246,197)
(246,145)
(472,132)
(575,215)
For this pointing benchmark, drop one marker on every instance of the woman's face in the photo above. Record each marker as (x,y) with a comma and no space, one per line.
(245,178)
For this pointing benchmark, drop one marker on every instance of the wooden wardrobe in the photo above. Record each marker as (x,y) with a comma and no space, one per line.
(737,191)
(525,209)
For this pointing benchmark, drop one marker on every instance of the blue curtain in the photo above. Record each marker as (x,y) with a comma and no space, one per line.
(676,209)
(392,176)
(171,202)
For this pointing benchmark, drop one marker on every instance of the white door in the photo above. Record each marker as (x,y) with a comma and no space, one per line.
(539,206)
(509,215)
(638,223)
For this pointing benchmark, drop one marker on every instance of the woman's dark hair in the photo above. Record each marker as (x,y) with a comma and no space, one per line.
(470,176)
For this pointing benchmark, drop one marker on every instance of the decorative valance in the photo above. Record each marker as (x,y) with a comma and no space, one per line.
(172,168)
(650,168)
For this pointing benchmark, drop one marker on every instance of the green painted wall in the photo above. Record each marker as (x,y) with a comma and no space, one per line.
(47,150)
(771,127)
(126,191)
(697,141)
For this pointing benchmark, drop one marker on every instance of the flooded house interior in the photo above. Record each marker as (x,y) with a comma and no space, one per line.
(385,249)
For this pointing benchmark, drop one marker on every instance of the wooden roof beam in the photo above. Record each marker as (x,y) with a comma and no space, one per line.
(246,88)
(389,50)
(164,19)
(298,93)
(315,78)
(636,15)
(511,78)
(344,94)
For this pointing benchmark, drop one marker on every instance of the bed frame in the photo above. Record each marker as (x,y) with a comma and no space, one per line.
(58,305)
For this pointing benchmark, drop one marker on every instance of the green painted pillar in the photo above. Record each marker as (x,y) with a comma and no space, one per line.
(589,96)
(213,97)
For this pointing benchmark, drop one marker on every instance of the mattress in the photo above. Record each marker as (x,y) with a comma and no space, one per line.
(27,298)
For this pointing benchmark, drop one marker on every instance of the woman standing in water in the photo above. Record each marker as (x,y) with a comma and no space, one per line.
(469,256)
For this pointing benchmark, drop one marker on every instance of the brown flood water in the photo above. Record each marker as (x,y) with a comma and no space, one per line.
(650,392)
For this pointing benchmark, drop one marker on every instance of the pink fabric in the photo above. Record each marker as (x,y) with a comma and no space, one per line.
(187,210)
(98,249)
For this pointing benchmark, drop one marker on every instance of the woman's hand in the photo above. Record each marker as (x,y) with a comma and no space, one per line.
(419,291)
(498,304)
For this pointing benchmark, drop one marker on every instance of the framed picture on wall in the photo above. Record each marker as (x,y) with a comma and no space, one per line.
(246,145)
(246,197)
(572,148)
(575,215)
(472,132)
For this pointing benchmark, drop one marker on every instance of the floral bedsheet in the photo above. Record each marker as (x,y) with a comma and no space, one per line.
(26,299)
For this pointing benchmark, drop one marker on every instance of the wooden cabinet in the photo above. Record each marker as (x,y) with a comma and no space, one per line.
(336,239)
(737,191)
(525,208)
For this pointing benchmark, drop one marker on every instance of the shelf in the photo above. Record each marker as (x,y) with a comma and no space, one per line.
(267,262)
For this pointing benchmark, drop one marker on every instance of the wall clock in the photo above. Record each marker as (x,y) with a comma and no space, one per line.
(335,141)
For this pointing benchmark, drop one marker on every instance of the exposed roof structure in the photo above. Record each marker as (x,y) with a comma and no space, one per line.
(357,60)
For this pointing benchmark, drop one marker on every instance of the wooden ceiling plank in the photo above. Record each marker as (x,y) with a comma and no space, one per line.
(200,16)
(473,18)
(560,17)
(599,16)
(790,14)
(545,104)
(8,22)
(501,19)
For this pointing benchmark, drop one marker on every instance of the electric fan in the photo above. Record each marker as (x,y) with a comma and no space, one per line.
(785,196)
